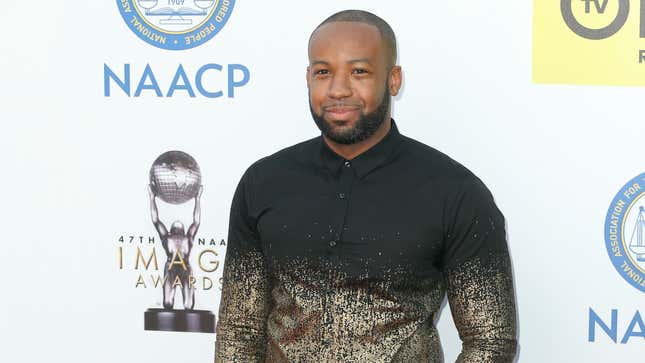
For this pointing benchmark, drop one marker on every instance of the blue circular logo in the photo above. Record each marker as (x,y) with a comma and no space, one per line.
(624,229)
(175,24)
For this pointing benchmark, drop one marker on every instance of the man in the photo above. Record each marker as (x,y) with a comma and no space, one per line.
(342,248)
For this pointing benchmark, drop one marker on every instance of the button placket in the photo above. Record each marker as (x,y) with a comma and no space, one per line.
(343,193)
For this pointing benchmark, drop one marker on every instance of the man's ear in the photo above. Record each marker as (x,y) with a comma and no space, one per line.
(396,79)
(307,76)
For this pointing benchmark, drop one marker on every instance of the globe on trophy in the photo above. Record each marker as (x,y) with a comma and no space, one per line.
(175,178)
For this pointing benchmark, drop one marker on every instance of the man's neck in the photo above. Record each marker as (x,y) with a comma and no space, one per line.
(351,151)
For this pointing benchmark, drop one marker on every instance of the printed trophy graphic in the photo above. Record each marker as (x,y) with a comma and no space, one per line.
(175,178)
(637,244)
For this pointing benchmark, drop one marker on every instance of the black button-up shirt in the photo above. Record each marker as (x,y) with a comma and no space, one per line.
(339,260)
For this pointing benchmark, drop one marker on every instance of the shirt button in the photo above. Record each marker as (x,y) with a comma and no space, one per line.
(332,243)
(347,164)
(341,195)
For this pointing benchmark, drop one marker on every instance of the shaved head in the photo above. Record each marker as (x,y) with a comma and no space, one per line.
(365,17)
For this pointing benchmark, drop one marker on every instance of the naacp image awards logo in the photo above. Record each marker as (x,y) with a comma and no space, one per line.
(175,24)
(624,227)
(174,260)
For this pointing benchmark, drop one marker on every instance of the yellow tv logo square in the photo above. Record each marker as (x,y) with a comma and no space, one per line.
(589,42)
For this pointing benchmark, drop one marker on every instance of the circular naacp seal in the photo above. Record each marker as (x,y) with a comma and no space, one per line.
(175,24)
(624,232)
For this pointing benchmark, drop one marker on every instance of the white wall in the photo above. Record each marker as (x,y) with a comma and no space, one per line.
(75,164)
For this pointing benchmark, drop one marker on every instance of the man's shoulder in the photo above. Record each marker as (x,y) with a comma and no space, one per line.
(432,162)
(443,171)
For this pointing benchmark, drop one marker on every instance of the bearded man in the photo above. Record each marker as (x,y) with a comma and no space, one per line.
(343,247)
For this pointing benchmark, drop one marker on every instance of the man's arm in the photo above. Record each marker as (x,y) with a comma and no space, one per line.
(479,280)
(244,304)
(192,230)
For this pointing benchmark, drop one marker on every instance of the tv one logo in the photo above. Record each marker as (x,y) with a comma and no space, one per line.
(599,7)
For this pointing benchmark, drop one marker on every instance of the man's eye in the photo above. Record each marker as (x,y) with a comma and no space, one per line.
(360,71)
(322,71)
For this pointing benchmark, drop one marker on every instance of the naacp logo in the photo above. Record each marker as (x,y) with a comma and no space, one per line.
(624,232)
(175,24)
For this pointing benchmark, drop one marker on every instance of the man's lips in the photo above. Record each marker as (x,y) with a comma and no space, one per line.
(340,110)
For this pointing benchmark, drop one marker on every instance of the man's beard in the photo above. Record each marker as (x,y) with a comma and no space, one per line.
(365,127)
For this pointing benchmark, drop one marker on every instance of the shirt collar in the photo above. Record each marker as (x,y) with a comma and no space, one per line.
(369,160)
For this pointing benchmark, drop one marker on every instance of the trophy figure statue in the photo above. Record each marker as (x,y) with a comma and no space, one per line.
(177,245)
(175,178)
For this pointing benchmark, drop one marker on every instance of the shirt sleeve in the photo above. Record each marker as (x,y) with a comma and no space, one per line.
(478,276)
(244,303)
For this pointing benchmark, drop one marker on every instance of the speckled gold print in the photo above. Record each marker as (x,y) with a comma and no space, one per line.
(322,313)
(483,307)
(243,310)
(310,310)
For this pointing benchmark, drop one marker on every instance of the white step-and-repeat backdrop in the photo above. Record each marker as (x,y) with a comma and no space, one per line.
(544,101)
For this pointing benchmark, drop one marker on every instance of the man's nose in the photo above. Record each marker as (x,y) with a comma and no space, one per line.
(340,87)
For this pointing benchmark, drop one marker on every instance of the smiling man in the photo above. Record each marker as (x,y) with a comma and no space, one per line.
(343,247)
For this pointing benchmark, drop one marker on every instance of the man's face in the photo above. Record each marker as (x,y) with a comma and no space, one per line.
(348,80)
